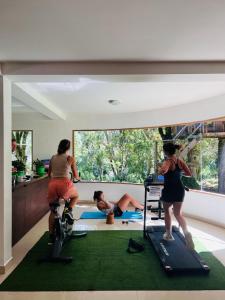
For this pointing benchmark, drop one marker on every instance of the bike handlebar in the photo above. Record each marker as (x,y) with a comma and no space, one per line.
(76,180)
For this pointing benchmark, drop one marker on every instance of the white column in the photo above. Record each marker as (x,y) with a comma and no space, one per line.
(5,173)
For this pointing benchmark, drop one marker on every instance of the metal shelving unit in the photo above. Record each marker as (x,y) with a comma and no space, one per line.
(152,195)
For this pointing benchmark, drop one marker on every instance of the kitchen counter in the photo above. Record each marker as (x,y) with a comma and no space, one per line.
(28,182)
(29,205)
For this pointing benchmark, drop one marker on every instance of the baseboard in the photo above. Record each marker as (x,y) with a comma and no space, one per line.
(4,269)
(86,202)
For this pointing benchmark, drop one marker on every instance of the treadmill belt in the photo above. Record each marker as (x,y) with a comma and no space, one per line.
(174,255)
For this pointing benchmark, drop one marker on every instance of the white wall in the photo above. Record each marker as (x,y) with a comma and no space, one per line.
(48,133)
(203,206)
(112,191)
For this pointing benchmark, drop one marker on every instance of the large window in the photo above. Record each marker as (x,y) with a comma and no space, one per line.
(115,155)
(24,149)
(129,155)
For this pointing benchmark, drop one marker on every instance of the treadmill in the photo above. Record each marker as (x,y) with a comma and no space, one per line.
(174,256)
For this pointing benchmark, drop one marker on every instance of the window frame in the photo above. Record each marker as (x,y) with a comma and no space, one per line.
(144,127)
(32,143)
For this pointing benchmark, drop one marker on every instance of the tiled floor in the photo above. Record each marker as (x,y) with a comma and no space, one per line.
(212,237)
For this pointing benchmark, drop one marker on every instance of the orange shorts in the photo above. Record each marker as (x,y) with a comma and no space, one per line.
(61,188)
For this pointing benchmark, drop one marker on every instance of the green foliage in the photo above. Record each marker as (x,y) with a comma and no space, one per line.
(24,146)
(131,155)
(20,137)
(19,165)
(116,155)
(38,163)
(209,170)
(206,156)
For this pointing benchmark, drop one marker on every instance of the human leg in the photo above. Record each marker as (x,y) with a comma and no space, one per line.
(177,210)
(168,221)
(126,200)
(73,201)
(71,194)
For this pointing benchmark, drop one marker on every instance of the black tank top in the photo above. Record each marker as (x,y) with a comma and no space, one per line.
(172,179)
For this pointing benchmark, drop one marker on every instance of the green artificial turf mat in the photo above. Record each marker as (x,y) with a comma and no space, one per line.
(101,262)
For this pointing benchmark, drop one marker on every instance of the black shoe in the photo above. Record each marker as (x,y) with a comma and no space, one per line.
(138,209)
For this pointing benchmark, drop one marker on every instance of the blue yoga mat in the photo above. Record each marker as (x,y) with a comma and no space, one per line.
(100,215)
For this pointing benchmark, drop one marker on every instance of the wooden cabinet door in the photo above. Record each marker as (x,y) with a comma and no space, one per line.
(29,205)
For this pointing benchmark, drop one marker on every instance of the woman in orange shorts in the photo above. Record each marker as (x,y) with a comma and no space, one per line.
(60,185)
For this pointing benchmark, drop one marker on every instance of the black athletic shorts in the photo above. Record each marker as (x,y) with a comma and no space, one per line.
(173,195)
(117,211)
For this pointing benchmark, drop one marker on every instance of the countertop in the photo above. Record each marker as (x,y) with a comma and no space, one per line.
(32,181)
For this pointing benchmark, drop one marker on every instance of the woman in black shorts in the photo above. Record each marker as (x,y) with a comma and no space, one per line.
(116,207)
(173,192)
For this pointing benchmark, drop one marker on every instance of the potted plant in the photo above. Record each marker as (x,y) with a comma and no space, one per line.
(40,167)
(20,167)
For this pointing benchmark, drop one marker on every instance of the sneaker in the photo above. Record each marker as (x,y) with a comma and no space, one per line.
(168,237)
(189,241)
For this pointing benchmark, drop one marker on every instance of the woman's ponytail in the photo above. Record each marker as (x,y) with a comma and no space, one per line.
(97,195)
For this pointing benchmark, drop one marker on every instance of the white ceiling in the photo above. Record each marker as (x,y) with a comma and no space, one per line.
(131,30)
(133,97)
(19,107)
(90,95)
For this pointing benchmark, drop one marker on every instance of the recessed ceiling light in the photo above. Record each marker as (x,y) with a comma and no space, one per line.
(114,102)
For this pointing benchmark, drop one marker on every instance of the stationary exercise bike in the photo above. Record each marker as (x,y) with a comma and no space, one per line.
(63,232)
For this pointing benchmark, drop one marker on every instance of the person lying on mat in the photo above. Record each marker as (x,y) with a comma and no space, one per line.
(116,207)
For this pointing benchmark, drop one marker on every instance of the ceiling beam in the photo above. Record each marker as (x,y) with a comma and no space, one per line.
(111,68)
(31,98)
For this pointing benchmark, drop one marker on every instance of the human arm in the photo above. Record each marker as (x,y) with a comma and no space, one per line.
(113,202)
(72,162)
(103,205)
(164,168)
(185,168)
